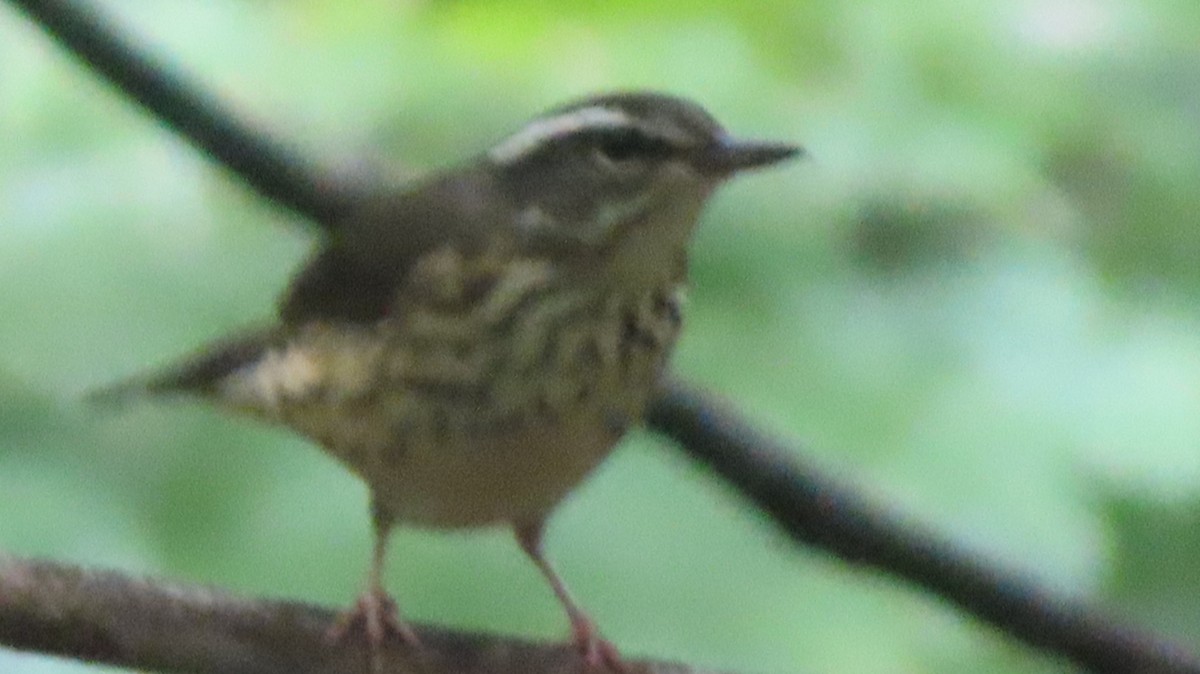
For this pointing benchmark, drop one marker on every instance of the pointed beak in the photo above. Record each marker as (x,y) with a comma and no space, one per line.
(730,155)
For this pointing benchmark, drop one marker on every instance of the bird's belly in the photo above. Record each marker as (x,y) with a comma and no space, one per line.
(502,476)
(437,463)
(480,430)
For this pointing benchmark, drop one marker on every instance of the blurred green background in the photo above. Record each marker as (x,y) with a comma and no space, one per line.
(978,301)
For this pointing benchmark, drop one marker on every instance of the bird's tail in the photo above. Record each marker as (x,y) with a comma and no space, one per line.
(199,374)
(120,393)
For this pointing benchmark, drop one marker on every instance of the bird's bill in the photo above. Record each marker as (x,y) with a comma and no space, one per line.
(730,155)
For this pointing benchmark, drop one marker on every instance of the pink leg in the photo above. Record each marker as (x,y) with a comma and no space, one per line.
(597,652)
(375,610)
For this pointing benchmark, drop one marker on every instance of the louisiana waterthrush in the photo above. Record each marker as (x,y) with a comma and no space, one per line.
(473,345)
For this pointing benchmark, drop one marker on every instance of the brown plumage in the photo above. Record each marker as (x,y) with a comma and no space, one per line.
(474,345)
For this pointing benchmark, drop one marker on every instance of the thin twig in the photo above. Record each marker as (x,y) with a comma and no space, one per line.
(269,167)
(815,510)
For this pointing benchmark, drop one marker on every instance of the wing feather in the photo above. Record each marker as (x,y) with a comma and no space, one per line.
(356,275)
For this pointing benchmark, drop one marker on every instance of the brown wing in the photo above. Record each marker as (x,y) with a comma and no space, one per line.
(354,277)
(334,286)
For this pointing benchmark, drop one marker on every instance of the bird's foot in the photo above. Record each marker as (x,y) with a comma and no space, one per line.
(598,653)
(377,615)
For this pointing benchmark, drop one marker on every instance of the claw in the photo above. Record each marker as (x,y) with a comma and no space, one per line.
(377,614)
(598,653)
(379,618)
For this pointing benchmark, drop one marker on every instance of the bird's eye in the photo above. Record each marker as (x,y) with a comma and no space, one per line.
(626,147)
(621,147)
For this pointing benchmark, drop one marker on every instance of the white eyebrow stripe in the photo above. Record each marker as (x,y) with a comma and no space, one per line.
(539,131)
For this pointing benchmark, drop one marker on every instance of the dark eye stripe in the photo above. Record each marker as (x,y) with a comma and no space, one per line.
(630,143)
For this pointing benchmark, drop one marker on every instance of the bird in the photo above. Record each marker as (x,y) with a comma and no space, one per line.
(473,344)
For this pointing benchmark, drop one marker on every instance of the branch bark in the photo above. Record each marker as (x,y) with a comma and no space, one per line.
(814,509)
(810,507)
(110,618)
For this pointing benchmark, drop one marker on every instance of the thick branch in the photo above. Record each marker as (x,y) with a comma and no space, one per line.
(109,618)
(811,508)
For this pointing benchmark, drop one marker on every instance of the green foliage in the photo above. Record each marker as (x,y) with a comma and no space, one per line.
(976,300)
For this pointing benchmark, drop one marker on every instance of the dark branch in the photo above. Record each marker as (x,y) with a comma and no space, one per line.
(809,507)
(814,509)
(268,167)
(110,618)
